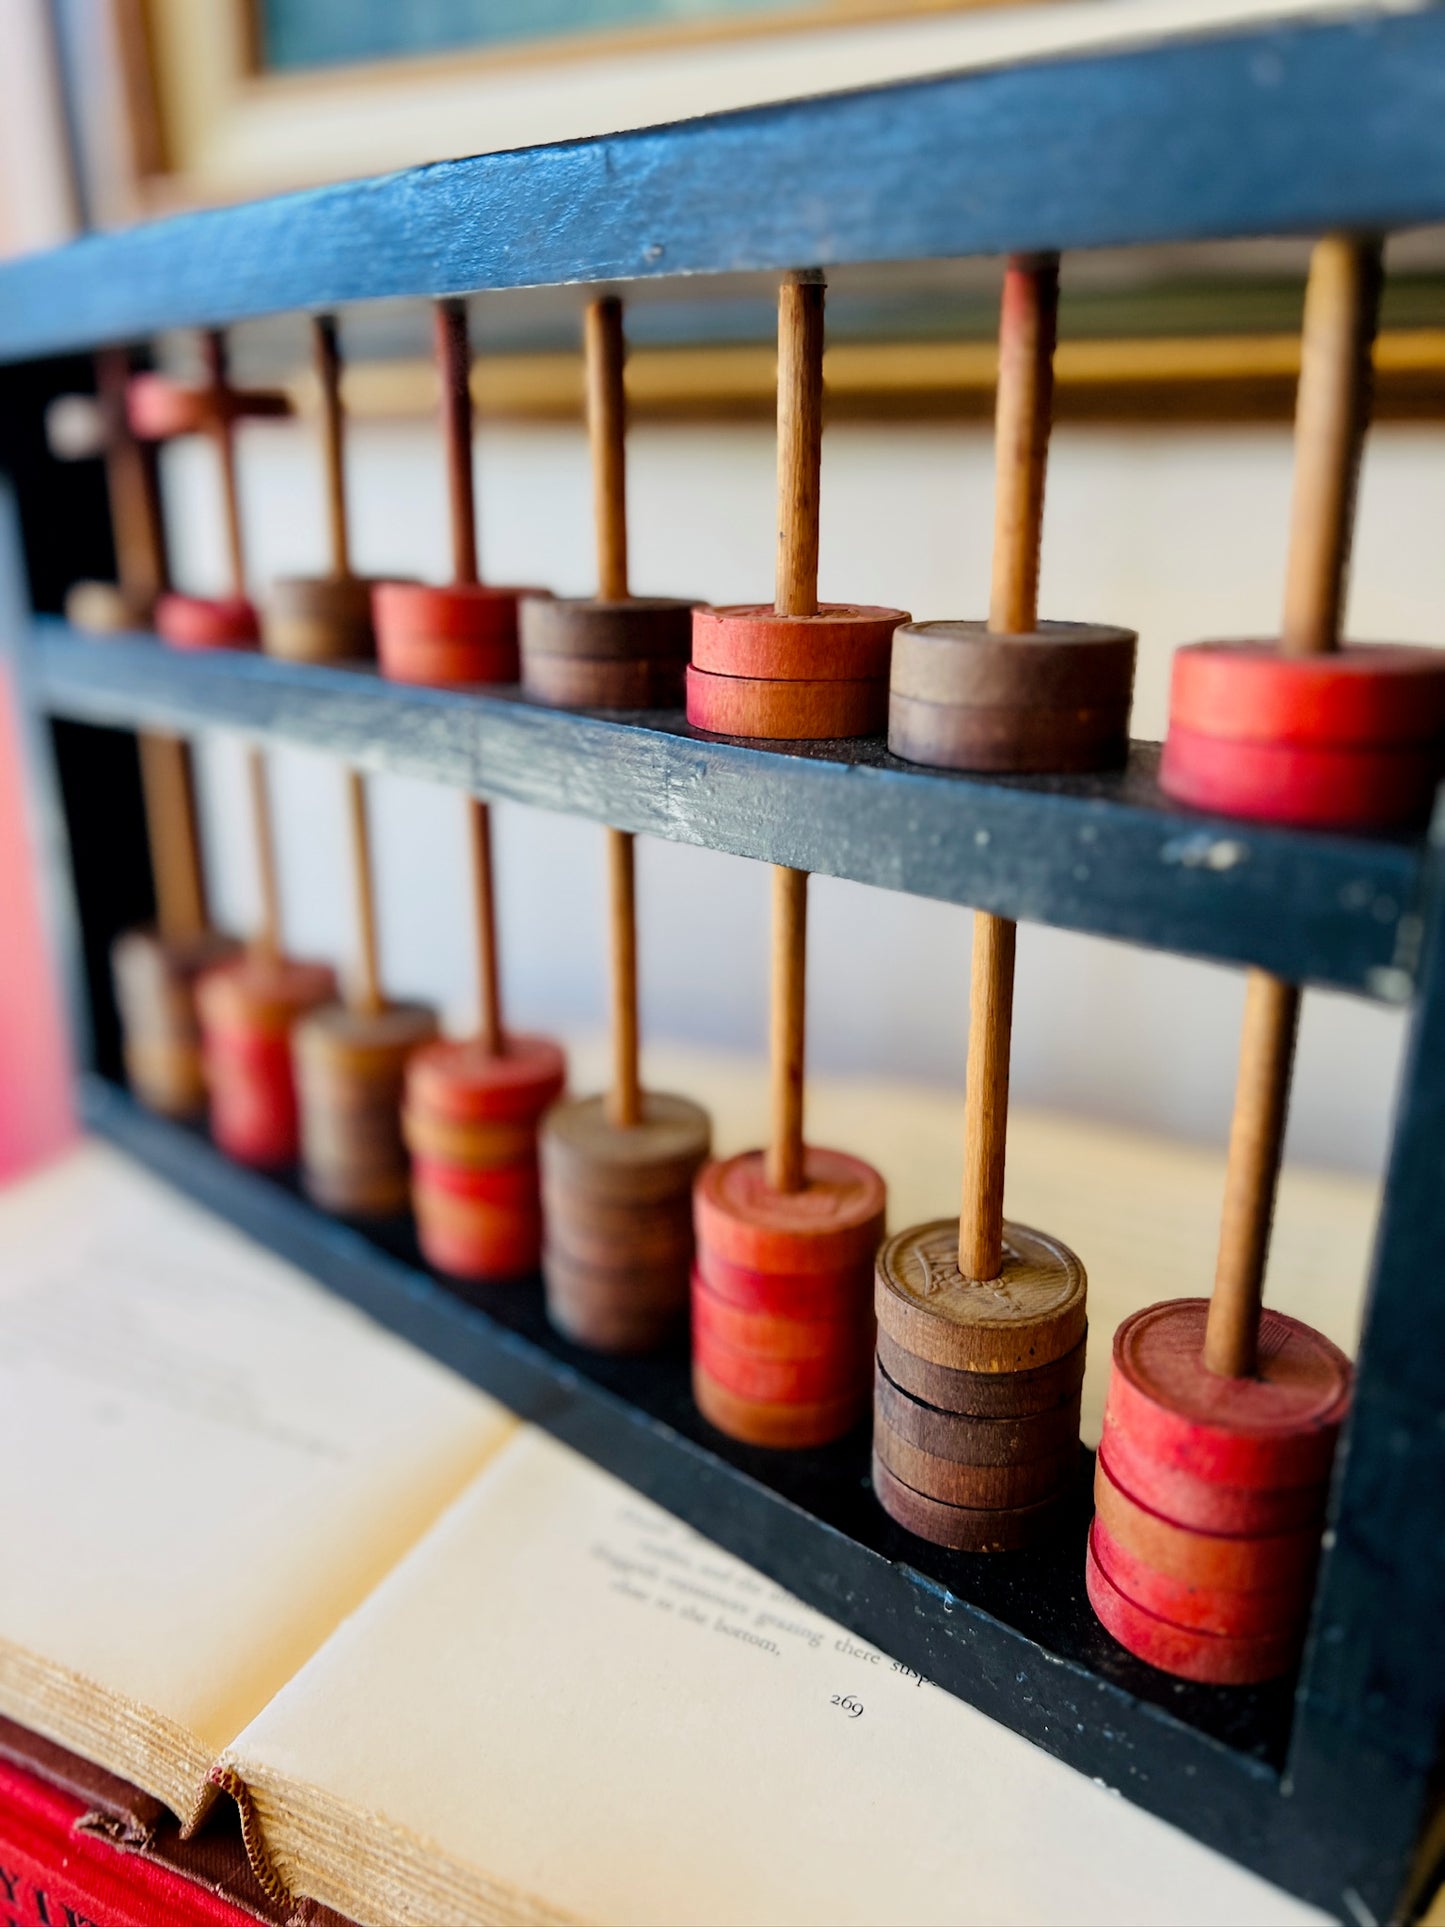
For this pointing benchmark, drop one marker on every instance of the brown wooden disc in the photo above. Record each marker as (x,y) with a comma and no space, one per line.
(796,712)
(356,1195)
(1234,1562)
(983,1394)
(584,682)
(652,1286)
(318,618)
(1033,1313)
(842,642)
(787,1428)
(987,1487)
(475,1146)
(166,1077)
(964,1528)
(583,1151)
(971,1440)
(1007,741)
(1061,665)
(639,629)
(366,1043)
(642,1241)
(832,1223)
(622,1311)
(667,1220)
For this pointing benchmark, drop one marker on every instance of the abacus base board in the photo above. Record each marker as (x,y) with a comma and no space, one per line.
(1011,1634)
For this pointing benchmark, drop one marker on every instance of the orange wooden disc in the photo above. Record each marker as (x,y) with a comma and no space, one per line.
(837,1335)
(463,1082)
(460,633)
(207,622)
(499,1255)
(474,1217)
(780,1427)
(1206,1609)
(159,409)
(834,1222)
(256,994)
(1363,696)
(1318,787)
(781,711)
(843,642)
(477,1147)
(964,1528)
(1209,1504)
(1233,1562)
(783,1381)
(798,1294)
(1182,1650)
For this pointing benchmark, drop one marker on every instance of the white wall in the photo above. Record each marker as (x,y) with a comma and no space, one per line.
(1177,533)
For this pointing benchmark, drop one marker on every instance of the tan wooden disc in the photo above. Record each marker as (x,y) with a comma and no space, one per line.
(964,1528)
(988,1487)
(156,978)
(318,618)
(779,1427)
(588,682)
(351,1195)
(583,1151)
(970,1440)
(108,608)
(1007,741)
(1060,665)
(638,629)
(475,1146)
(1033,1313)
(983,1394)
(367,1043)
(166,1077)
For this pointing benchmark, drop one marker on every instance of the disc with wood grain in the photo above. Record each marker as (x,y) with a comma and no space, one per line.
(840,1331)
(362,1044)
(782,1381)
(983,1394)
(1033,1313)
(974,1440)
(1059,666)
(835,1221)
(1209,1504)
(496,1185)
(964,1528)
(1204,1609)
(108,608)
(788,1427)
(457,634)
(1022,741)
(987,1487)
(783,711)
(207,622)
(589,682)
(797,1294)
(464,1082)
(473,1144)
(1184,1651)
(1277,1428)
(635,630)
(318,618)
(843,642)
(582,1149)
(1235,1562)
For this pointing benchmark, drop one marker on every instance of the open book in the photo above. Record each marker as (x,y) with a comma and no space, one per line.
(457,1674)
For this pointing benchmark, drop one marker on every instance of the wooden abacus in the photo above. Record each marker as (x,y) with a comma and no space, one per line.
(617,1170)
(1323,1779)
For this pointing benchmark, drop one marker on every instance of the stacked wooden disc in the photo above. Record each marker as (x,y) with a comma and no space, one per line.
(617,1171)
(981,1323)
(324,618)
(161,410)
(1213,1470)
(1341,738)
(815,671)
(350,1062)
(613,650)
(154,974)
(470,1118)
(782,1323)
(248,1010)
(466,631)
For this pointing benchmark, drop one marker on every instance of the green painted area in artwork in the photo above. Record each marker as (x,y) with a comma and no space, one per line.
(298,34)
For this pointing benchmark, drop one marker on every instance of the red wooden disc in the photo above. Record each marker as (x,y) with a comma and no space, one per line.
(965,1528)
(1205,1609)
(253,1114)
(207,622)
(461,633)
(1364,696)
(786,712)
(780,1427)
(843,642)
(838,1335)
(1276,1429)
(506,1186)
(798,1294)
(1313,786)
(1208,1503)
(1182,1650)
(835,1221)
(1233,1562)
(496,1255)
(255,996)
(784,1381)
(158,409)
(463,1083)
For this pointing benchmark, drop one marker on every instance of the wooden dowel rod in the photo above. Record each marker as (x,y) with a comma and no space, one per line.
(130,483)
(366,994)
(1342,302)
(624,1100)
(224,435)
(607,433)
(1256,1141)
(790,967)
(327,358)
(454,364)
(170,810)
(1332,412)
(1028,325)
(268,935)
(489,987)
(800,442)
(985,1108)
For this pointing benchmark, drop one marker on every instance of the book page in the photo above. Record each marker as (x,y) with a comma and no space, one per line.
(566,1703)
(205,1462)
